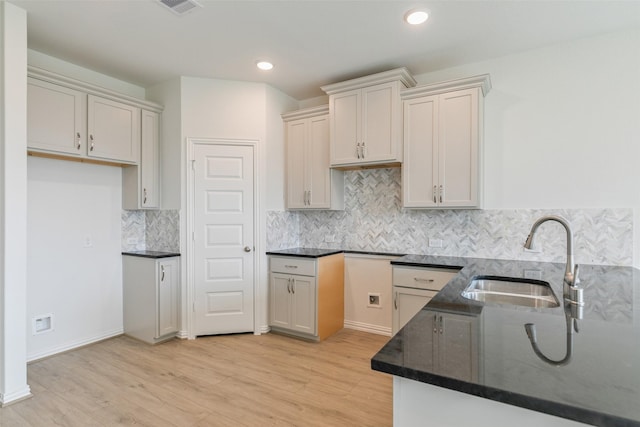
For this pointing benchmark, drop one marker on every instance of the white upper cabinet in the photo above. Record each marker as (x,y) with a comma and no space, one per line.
(443,129)
(311,184)
(141,184)
(365,117)
(114,130)
(56,118)
(74,120)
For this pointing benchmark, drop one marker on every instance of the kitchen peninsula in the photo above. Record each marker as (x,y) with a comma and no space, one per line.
(586,376)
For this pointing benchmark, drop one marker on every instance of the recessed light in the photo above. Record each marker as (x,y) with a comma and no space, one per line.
(416,17)
(264,65)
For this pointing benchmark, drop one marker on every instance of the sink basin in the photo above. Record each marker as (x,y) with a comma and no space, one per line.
(513,291)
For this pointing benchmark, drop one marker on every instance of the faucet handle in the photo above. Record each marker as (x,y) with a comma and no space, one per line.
(576,279)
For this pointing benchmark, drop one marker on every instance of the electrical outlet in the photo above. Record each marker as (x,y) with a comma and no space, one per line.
(132,241)
(87,241)
(330,238)
(42,324)
(374,300)
(435,243)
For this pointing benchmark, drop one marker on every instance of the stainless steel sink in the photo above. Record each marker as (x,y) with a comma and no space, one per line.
(513,291)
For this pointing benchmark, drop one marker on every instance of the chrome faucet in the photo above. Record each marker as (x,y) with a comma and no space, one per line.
(572,293)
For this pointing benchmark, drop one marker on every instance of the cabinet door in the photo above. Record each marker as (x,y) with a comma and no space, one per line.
(318,171)
(420,344)
(345,135)
(167,292)
(296,158)
(114,130)
(406,303)
(458,346)
(280,299)
(55,118)
(303,304)
(458,148)
(149,158)
(381,123)
(420,167)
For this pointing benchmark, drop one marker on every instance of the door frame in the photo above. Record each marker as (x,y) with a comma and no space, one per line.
(189,249)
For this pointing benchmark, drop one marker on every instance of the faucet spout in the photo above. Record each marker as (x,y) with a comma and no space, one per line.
(571,291)
(569,275)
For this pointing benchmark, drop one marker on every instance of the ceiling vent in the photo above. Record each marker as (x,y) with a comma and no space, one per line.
(180,7)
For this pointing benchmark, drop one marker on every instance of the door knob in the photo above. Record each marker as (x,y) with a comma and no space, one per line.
(247,248)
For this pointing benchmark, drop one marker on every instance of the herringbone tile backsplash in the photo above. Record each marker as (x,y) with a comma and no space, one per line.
(373,220)
(151,230)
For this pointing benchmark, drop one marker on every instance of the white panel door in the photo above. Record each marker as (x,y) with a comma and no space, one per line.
(223,239)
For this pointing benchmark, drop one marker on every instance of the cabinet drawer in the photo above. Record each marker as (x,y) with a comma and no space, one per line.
(291,265)
(423,278)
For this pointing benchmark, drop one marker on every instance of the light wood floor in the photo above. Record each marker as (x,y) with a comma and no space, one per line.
(235,380)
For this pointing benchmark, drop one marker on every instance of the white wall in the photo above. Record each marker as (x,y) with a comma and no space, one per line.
(562,125)
(13,202)
(81,287)
(68,204)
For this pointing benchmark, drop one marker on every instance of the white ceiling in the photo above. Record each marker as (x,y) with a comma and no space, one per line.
(312,43)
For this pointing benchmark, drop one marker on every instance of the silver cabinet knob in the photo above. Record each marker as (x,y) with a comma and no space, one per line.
(247,248)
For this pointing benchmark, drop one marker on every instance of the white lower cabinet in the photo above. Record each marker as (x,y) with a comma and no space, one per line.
(307,295)
(151,297)
(413,288)
(293,302)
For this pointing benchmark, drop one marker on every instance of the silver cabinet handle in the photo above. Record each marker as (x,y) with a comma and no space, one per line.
(290,266)
(304,198)
(247,248)
(358,150)
(395,300)
(420,279)
(364,150)
(435,323)
(144,197)
(162,269)
(92,143)
(441,193)
(309,198)
(434,194)
(289,285)
(293,286)
(441,325)
(78,140)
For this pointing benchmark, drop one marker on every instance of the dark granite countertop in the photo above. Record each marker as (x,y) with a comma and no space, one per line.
(305,252)
(317,253)
(151,254)
(600,384)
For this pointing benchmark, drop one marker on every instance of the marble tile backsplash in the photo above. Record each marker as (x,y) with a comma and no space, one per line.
(374,220)
(151,230)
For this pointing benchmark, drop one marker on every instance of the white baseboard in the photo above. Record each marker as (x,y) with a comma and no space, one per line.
(264,329)
(73,345)
(16,396)
(183,335)
(366,327)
